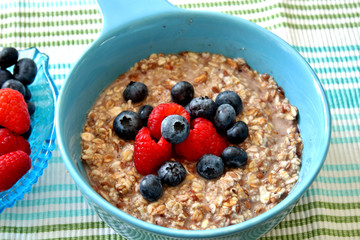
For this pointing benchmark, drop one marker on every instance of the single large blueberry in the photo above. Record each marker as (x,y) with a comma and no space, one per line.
(234,157)
(25,71)
(135,91)
(8,57)
(202,107)
(210,166)
(172,173)
(237,133)
(5,75)
(151,188)
(182,93)
(224,117)
(175,129)
(230,97)
(127,124)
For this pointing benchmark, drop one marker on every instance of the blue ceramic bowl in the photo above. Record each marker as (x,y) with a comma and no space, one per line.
(42,138)
(133,30)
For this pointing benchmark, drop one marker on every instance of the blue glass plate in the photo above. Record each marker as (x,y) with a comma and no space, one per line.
(42,138)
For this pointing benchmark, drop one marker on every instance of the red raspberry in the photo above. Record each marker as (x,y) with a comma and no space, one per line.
(10,142)
(202,139)
(14,113)
(160,112)
(13,166)
(149,155)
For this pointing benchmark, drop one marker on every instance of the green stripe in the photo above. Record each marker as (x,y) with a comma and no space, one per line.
(318,218)
(80,23)
(316,26)
(32,14)
(343,140)
(82,31)
(345,116)
(47,201)
(338,180)
(341,167)
(93,237)
(328,48)
(332,192)
(345,128)
(62,43)
(253,10)
(325,205)
(316,233)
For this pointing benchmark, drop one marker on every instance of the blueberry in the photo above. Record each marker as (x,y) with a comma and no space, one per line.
(127,124)
(28,94)
(144,113)
(202,107)
(172,173)
(135,91)
(8,57)
(237,133)
(224,117)
(31,108)
(234,157)
(231,98)
(182,93)
(5,75)
(175,129)
(210,166)
(25,71)
(28,133)
(151,188)
(15,85)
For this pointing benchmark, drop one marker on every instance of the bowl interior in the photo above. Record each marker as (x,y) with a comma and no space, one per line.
(114,52)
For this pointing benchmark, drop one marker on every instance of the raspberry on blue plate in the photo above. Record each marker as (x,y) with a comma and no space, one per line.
(151,188)
(210,166)
(127,124)
(175,129)
(234,157)
(172,173)
(135,91)
(230,97)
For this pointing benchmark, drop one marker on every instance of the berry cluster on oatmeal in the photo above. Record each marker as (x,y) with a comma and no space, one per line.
(192,141)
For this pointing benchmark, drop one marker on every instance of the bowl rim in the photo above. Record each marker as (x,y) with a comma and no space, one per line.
(289,201)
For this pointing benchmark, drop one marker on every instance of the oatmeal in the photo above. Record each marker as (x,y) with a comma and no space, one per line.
(273,146)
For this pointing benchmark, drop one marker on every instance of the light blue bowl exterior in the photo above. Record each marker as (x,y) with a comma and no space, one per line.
(42,139)
(131,33)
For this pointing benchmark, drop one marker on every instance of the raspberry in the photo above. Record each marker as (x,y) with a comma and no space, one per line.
(149,155)
(13,166)
(162,111)
(14,113)
(202,139)
(10,142)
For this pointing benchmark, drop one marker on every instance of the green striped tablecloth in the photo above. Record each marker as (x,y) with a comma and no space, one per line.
(326,33)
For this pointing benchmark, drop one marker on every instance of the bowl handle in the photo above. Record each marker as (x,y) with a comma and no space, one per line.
(118,12)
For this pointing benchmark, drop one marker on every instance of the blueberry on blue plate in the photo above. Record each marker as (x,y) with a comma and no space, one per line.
(127,124)
(202,107)
(25,71)
(135,91)
(224,117)
(144,113)
(182,93)
(237,133)
(172,173)
(175,129)
(28,133)
(210,166)
(151,188)
(28,94)
(234,157)
(230,97)
(15,85)
(8,57)
(5,75)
